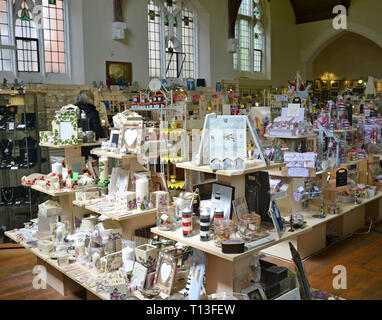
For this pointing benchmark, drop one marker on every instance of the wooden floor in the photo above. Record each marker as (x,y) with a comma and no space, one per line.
(360,254)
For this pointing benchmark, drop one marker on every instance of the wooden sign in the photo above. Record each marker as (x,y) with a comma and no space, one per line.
(341,178)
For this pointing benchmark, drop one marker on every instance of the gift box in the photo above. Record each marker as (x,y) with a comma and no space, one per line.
(159,199)
(146,255)
(117,288)
(86,195)
(125,201)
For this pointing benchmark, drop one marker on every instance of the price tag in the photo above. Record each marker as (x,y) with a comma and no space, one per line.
(164,217)
(293,109)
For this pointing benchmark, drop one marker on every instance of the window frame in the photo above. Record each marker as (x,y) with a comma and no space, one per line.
(264,74)
(163,45)
(42,74)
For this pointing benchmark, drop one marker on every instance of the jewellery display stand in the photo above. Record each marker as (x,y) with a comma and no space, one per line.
(22,115)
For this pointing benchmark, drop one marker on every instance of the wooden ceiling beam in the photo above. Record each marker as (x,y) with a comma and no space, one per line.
(233,10)
(305,13)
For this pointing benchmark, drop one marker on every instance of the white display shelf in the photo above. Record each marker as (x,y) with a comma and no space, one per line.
(258,165)
(50,145)
(99,152)
(118,217)
(290,137)
(63,192)
(53,263)
(209,247)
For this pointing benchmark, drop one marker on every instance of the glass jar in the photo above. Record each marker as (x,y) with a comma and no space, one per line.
(166,218)
(223,230)
(249,226)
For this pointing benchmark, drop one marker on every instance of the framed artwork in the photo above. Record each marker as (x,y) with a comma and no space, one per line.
(76,164)
(118,73)
(240,207)
(255,292)
(333,94)
(114,139)
(165,273)
(139,276)
(65,128)
(113,262)
(158,182)
(276,218)
(119,181)
(324,84)
(228,142)
(301,272)
(130,136)
(227,194)
(335,84)
(317,84)
(310,84)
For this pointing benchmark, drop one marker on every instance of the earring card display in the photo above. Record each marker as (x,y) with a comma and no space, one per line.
(228,142)
(131,136)
(165,273)
(65,129)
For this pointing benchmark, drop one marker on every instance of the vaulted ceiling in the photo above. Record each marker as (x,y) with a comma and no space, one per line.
(315,10)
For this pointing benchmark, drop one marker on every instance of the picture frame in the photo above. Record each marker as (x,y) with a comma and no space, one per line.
(117,69)
(276,219)
(334,84)
(65,128)
(113,262)
(255,292)
(240,207)
(130,136)
(76,164)
(165,273)
(139,276)
(119,181)
(317,85)
(324,85)
(301,272)
(227,194)
(115,139)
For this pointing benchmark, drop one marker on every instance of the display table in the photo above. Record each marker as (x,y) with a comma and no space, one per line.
(64,281)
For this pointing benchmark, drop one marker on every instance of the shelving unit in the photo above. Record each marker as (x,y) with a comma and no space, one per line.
(23,116)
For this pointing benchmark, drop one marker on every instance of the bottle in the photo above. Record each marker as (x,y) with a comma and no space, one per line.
(218,207)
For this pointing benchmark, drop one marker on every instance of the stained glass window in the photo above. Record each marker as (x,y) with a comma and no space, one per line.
(172,36)
(26,37)
(250,34)
(22,47)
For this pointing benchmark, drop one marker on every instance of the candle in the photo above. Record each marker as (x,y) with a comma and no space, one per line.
(57,168)
(205,221)
(142,193)
(103,169)
(79,248)
(187,223)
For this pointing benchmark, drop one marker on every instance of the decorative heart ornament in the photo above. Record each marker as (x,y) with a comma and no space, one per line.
(131,136)
(165,272)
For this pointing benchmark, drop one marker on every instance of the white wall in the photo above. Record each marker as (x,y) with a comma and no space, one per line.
(363,18)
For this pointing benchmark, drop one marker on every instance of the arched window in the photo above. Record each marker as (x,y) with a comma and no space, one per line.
(171,39)
(249,32)
(32,36)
